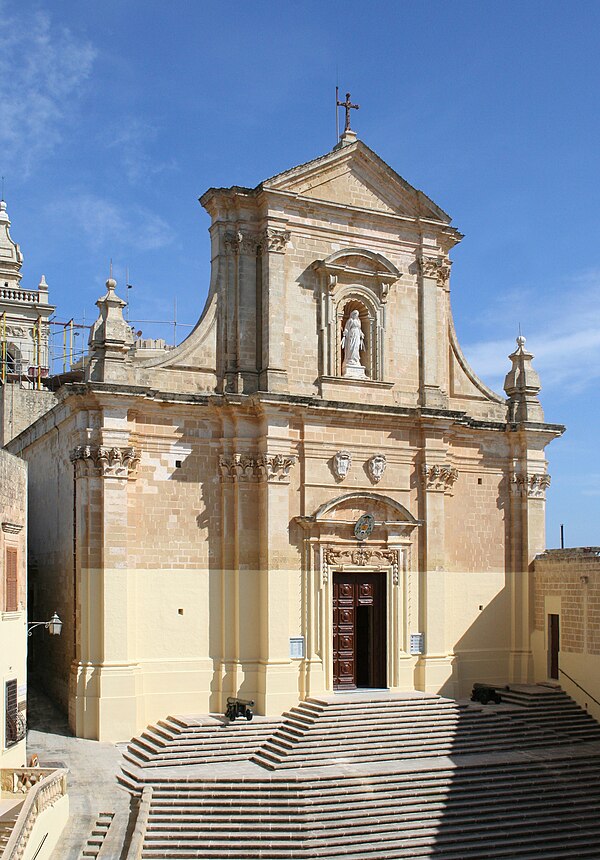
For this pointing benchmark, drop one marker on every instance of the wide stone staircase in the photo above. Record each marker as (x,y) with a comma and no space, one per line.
(387,729)
(198,740)
(384,775)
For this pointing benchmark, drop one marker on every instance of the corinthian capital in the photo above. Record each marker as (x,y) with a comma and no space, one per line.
(275,241)
(232,241)
(100,460)
(532,486)
(438,268)
(439,478)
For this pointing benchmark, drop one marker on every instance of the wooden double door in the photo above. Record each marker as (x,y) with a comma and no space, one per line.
(359,630)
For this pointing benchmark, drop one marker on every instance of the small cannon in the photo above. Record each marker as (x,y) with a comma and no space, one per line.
(239,708)
(485,693)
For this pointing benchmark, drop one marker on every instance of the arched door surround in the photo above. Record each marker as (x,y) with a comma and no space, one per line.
(330,548)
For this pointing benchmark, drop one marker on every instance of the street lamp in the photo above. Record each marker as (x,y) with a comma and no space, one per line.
(54,626)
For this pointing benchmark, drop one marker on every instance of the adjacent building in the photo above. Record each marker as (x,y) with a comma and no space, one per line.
(13,610)
(566,635)
(24,340)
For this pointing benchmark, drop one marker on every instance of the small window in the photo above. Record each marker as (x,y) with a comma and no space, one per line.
(12,713)
(11,582)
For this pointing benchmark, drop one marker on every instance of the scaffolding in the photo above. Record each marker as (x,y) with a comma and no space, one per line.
(66,348)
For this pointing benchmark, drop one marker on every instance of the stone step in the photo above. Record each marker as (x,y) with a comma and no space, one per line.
(273,762)
(349,713)
(314,818)
(579,846)
(321,744)
(281,803)
(356,794)
(468,774)
(415,828)
(580,833)
(209,743)
(97,835)
(324,797)
(333,735)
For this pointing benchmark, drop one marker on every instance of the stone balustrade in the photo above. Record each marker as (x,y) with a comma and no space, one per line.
(9,294)
(43,787)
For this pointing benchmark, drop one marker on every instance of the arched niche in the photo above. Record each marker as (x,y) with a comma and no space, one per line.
(353,278)
(355,299)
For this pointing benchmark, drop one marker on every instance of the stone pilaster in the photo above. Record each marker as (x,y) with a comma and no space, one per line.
(104,697)
(437,478)
(434,274)
(273,376)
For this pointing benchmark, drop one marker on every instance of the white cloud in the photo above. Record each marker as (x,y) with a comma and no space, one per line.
(565,337)
(43,68)
(130,141)
(104,224)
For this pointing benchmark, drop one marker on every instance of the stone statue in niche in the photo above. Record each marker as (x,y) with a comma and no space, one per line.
(353,343)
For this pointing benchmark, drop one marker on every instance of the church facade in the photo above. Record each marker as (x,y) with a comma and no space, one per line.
(313,492)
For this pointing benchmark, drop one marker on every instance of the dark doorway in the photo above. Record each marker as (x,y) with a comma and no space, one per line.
(553,645)
(359,630)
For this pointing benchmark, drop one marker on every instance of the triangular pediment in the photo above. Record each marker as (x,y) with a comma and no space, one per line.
(353,175)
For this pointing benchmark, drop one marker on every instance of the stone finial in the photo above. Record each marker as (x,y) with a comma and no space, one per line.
(110,340)
(522,385)
(42,284)
(11,257)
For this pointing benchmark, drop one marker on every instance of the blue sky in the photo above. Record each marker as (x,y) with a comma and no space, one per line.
(116,117)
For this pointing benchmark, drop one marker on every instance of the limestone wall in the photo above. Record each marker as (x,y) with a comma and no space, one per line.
(567,584)
(20,407)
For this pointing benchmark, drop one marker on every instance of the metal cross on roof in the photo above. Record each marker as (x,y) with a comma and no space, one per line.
(348,107)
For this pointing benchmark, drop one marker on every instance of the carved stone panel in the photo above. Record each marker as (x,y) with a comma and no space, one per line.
(376,466)
(342,463)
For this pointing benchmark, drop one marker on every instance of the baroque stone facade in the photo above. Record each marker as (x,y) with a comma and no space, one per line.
(244,491)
